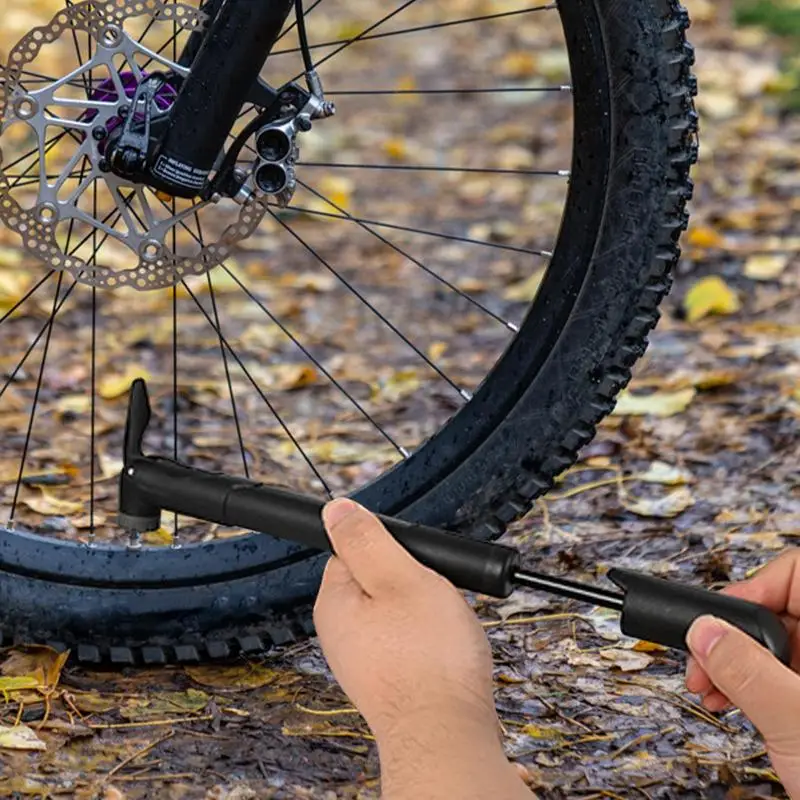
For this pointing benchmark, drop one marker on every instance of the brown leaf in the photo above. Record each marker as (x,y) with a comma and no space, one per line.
(39,663)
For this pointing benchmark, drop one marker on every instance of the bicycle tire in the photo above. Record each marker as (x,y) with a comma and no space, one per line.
(635,144)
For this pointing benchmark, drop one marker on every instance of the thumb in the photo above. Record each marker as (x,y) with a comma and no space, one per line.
(751,677)
(376,560)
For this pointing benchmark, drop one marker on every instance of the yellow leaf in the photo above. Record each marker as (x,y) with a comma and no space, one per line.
(160,538)
(93,703)
(164,704)
(13,285)
(713,379)
(649,647)
(331,451)
(20,737)
(666,475)
(74,403)
(235,678)
(49,505)
(525,291)
(293,376)
(705,238)
(401,384)
(406,84)
(36,661)
(537,732)
(521,64)
(114,386)
(308,281)
(710,296)
(396,149)
(437,350)
(338,191)
(658,404)
(666,507)
(765,267)
(17,684)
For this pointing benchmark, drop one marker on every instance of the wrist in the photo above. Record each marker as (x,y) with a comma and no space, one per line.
(441,753)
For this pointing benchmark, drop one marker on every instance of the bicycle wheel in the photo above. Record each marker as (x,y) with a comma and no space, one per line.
(440,260)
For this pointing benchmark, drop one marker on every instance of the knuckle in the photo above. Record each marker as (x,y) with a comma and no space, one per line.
(737,672)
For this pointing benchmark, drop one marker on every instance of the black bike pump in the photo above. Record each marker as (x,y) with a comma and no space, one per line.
(652,609)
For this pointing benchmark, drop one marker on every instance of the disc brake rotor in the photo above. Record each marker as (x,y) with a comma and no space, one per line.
(140,220)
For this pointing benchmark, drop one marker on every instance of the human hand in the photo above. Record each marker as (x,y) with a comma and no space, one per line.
(728,666)
(400,639)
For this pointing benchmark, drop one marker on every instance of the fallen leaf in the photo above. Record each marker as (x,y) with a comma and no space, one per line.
(117,385)
(626,660)
(164,704)
(338,193)
(13,285)
(666,475)
(525,291)
(293,376)
(521,603)
(657,404)
(51,506)
(74,404)
(520,64)
(239,678)
(710,296)
(400,384)
(17,684)
(35,663)
(649,647)
(160,538)
(437,350)
(93,703)
(538,732)
(704,238)
(20,737)
(765,267)
(666,507)
(396,149)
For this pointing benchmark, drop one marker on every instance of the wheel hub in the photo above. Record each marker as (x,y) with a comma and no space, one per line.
(142,219)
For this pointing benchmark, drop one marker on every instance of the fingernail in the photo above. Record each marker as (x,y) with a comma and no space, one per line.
(336,511)
(705,635)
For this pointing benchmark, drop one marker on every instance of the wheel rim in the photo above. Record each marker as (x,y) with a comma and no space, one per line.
(393,491)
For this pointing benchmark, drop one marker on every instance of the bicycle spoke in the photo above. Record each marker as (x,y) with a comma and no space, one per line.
(86,85)
(36,394)
(175,540)
(41,160)
(228,379)
(317,363)
(422,28)
(463,392)
(422,232)
(510,325)
(198,238)
(93,377)
(556,173)
(260,391)
(489,90)
(48,146)
(360,36)
(147,30)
